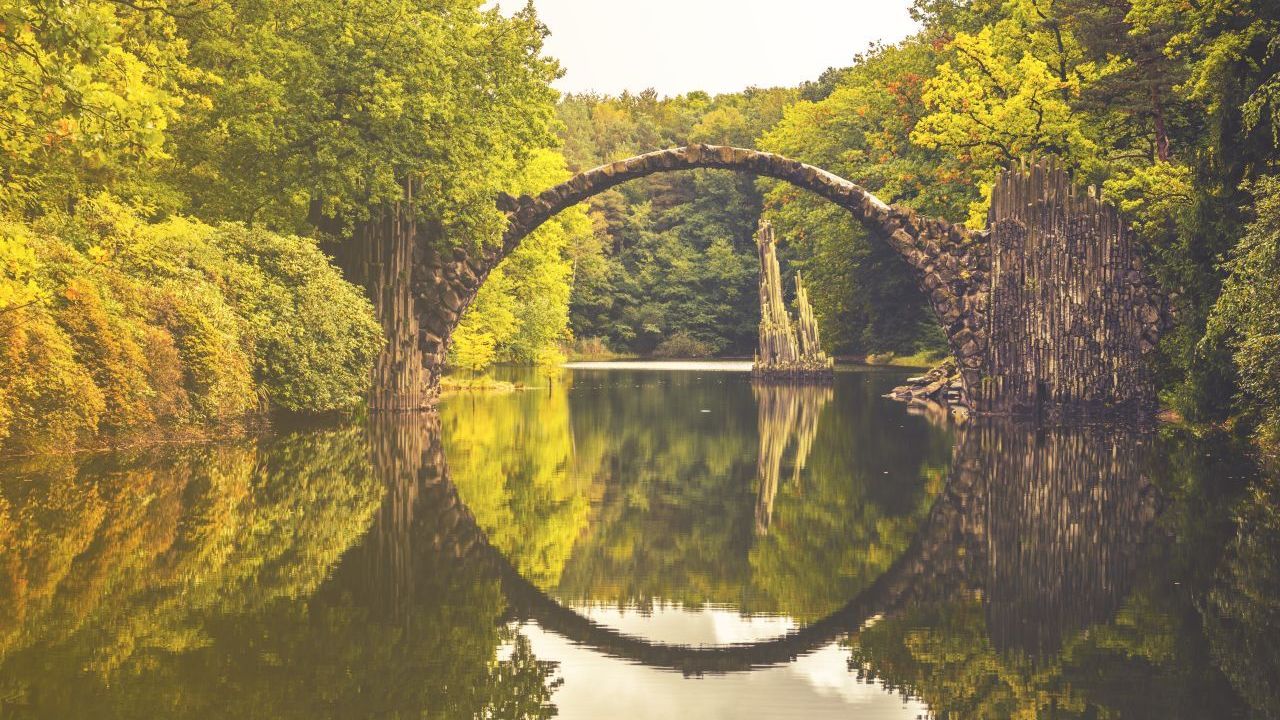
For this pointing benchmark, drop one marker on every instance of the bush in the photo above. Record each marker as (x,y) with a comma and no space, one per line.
(315,336)
(44,390)
(48,398)
(110,323)
(683,345)
(592,348)
(1246,317)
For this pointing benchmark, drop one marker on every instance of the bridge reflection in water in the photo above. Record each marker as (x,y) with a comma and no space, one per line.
(337,572)
(1045,525)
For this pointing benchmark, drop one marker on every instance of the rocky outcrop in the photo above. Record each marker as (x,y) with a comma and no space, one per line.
(942,384)
(938,394)
(1071,314)
(787,351)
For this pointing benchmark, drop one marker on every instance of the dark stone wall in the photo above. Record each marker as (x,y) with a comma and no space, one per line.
(381,255)
(1071,314)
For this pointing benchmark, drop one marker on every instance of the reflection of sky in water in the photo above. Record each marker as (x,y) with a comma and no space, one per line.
(818,685)
(686,365)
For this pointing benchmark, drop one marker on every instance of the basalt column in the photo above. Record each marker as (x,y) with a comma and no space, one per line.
(1071,312)
(778,347)
(786,351)
(381,257)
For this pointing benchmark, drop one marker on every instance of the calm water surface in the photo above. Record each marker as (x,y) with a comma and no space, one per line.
(642,541)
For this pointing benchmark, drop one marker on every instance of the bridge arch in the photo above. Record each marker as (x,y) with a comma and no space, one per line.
(1047,305)
(946,258)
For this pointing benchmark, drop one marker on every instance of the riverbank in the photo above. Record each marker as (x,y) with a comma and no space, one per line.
(481,383)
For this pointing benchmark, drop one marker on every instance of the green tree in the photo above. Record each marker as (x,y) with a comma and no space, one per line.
(90,90)
(521,314)
(672,255)
(863,294)
(1246,317)
(120,324)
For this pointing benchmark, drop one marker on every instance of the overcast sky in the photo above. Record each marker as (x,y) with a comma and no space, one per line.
(676,46)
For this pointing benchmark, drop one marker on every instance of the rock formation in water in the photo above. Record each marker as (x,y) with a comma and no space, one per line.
(787,351)
(937,394)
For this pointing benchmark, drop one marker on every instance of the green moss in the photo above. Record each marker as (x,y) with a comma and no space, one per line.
(921,359)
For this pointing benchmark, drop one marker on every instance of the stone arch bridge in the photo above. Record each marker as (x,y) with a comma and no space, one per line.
(1048,306)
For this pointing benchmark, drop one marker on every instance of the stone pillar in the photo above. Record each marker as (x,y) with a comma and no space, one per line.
(381,256)
(787,350)
(778,348)
(1071,312)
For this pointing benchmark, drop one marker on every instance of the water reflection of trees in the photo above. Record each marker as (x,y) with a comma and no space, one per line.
(677,494)
(114,552)
(232,581)
(1068,600)
(513,458)
(1242,615)
(206,582)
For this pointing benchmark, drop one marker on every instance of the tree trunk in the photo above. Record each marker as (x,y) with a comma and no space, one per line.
(1162,132)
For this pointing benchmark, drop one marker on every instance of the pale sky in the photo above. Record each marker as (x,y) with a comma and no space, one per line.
(675,46)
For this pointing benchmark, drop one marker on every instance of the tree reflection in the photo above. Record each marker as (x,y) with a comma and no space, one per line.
(1242,615)
(1066,608)
(339,573)
(206,582)
(682,475)
(114,553)
(512,457)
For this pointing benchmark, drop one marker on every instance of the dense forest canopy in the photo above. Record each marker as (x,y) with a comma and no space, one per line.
(259,132)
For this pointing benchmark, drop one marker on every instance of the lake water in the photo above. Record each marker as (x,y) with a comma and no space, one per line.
(646,541)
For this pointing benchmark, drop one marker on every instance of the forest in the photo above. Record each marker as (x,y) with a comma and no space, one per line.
(184,185)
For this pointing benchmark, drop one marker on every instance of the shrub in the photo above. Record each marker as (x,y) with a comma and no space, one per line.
(1246,317)
(50,399)
(592,348)
(107,345)
(314,334)
(211,342)
(46,397)
(112,323)
(683,345)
